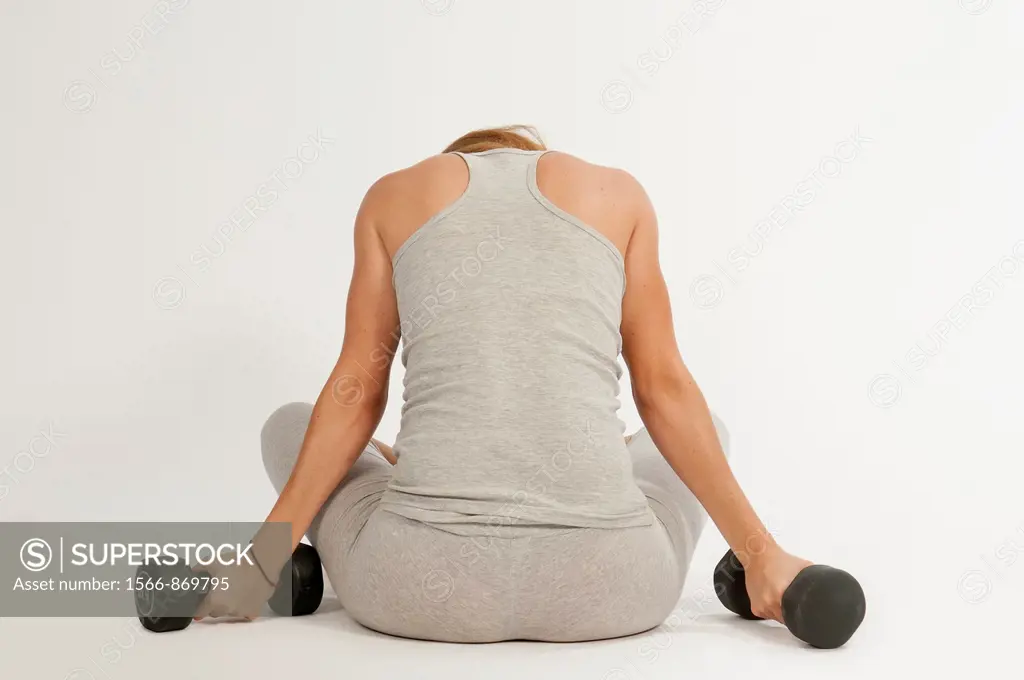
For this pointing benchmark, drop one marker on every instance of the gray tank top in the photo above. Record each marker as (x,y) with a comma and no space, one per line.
(510,310)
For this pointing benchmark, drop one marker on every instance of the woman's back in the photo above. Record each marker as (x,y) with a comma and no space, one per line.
(504,269)
(510,309)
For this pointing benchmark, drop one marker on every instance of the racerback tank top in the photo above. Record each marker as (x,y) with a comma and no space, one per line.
(510,310)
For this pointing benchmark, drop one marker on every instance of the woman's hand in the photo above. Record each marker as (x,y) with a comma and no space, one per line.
(241,593)
(768,575)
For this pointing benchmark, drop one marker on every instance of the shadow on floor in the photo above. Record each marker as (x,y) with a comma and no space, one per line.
(331,615)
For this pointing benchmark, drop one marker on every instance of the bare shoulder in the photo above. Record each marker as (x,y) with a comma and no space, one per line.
(608,198)
(425,175)
(615,183)
(567,162)
(400,201)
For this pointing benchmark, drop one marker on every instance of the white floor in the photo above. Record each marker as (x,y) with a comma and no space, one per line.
(948,634)
(864,349)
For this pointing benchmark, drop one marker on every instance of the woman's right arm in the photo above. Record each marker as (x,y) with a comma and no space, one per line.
(344,417)
(353,399)
(678,419)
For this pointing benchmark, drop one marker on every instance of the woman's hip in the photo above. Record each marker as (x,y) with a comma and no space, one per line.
(412,579)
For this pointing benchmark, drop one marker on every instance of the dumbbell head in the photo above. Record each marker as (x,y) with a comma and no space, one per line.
(166,609)
(305,576)
(731,586)
(823,606)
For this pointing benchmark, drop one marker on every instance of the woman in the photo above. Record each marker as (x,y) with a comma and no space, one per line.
(511,505)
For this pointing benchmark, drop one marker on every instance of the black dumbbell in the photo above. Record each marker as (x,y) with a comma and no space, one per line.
(307,578)
(823,606)
(303,598)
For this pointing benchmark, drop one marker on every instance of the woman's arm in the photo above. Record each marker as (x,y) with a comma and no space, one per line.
(668,400)
(346,413)
(353,398)
(678,419)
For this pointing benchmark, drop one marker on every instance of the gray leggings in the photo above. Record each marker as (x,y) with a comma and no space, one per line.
(556,584)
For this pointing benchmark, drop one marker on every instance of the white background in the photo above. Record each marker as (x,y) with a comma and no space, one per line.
(152,375)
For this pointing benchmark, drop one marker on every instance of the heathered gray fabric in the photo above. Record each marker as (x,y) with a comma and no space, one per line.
(516,510)
(557,584)
(510,311)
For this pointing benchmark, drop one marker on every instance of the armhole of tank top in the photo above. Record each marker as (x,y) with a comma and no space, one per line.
(538,195)
(438,216)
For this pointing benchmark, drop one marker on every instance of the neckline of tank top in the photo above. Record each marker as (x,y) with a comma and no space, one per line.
(525,152)
(451,207)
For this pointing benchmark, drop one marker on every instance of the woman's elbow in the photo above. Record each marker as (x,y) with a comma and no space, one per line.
(663,390)
(359,397)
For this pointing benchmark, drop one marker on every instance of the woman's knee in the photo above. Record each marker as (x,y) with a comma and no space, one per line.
(281,438)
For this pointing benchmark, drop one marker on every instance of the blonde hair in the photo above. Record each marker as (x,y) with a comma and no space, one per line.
(523,137)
